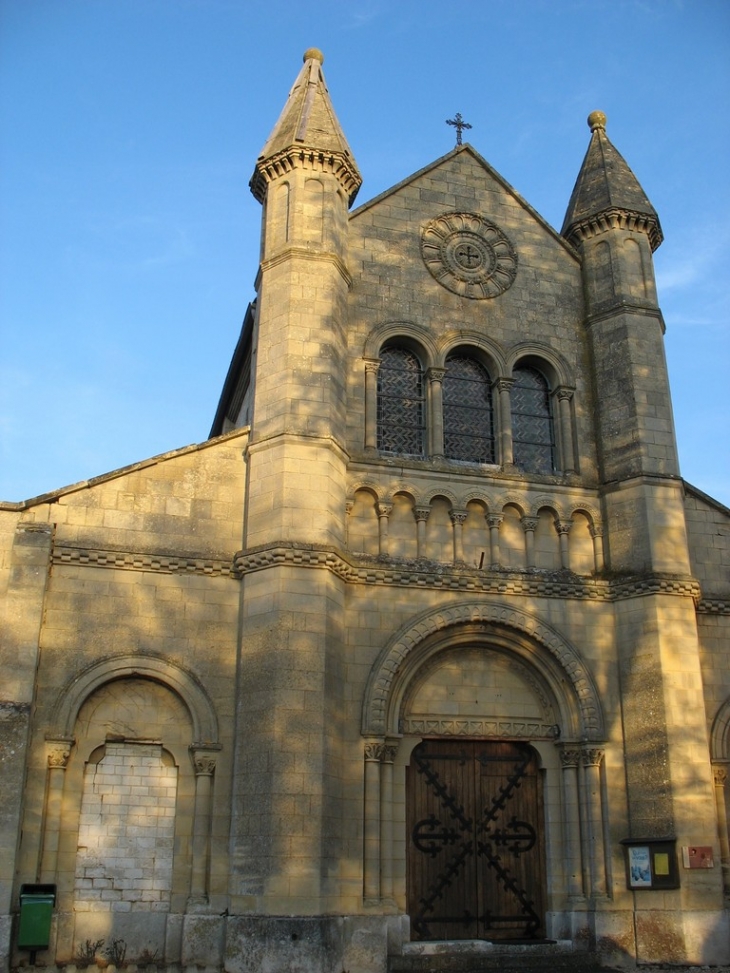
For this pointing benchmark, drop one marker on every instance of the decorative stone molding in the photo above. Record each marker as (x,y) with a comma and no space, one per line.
(508,729)
(373,752)
(592,757)
(713,606)
(310,158)
(204,762)
(370,569)
(569,756)
(58,752)
(74,694)
(529,523)
(135,561)
(390,751)
(613,219)
(504,617)
(469,255)
(421,513)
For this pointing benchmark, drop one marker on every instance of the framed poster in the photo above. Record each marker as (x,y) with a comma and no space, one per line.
(639,867)
(651,863)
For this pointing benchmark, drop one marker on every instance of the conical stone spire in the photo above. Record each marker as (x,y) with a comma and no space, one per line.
(607,193)
(307,135)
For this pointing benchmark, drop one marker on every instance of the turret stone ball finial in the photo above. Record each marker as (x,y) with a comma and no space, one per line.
(313,53)
(596,119)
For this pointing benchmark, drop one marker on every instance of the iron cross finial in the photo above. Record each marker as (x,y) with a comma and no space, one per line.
(459,124)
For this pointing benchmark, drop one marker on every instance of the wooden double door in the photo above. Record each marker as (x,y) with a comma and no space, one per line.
(475,865)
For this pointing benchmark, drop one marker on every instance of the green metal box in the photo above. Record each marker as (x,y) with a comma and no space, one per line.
(36,912)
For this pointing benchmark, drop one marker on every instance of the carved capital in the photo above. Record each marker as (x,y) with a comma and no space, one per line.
(421,513)
(58,753)
(436,374)
(569,756)
(349,504)
(563,526)
(389,752)
(563,394)
(204,764)
(494,520)
(592,757)
(372,365)
(529,523)
(596,530)
(720,776)
(504,384)
(373,752)
(384,509)
(458,516)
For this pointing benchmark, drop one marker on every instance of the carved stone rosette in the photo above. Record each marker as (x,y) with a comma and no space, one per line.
(469,255)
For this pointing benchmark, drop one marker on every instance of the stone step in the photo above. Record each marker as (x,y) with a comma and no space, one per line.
(477,957)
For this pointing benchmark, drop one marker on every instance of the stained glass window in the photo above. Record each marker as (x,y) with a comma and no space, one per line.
(468,416)
(532,424)
(401,427)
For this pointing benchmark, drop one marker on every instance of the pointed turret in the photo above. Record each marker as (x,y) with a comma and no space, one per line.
(307,134)
(607,191)
(614,229)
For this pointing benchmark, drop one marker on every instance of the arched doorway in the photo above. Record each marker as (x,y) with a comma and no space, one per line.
(475,836)
(476,718)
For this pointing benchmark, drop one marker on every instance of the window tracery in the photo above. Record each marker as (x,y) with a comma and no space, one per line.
(467,411)
(401,413)
(532,423)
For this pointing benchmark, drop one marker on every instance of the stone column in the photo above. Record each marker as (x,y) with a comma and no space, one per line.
(384,511)
(204,766)
(504,386)
(564,397)
(494,521)
(570,759)
(436,400)
(58,752)
(457,519)
(421,514)
(371,863)
(597,535)
(563,529)
(386,822)
(349,504)
(720,778)
(371,403)
(592,758)
(529,525)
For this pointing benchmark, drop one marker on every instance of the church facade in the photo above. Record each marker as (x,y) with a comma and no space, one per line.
(427,644)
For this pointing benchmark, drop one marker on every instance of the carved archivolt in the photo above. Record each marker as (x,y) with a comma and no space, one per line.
(174,677)
(533,639)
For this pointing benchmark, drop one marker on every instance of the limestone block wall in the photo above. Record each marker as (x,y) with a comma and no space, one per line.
(136,666)
(393,293)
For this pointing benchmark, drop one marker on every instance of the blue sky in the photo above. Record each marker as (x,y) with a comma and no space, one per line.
(129,238)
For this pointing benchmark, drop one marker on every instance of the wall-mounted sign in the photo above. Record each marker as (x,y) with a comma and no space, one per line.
(698,856)
(651,864)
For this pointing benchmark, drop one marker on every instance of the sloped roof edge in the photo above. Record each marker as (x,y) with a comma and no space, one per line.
(468,148)
(54,495)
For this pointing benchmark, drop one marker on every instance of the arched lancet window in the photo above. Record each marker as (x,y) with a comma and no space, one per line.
(532,424)
(468,416)
(401,427)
